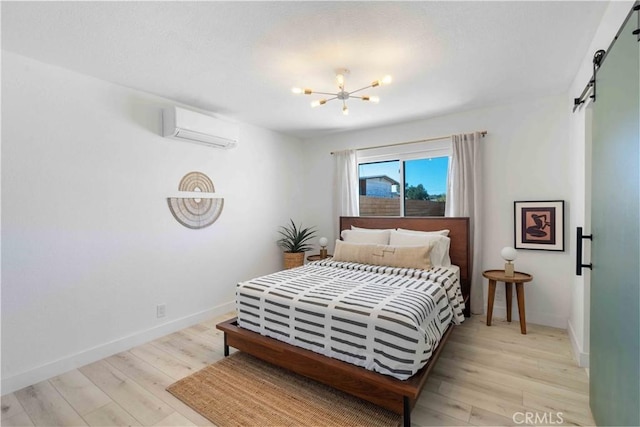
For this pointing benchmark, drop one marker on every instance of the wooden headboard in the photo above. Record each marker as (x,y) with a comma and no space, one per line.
(459,251)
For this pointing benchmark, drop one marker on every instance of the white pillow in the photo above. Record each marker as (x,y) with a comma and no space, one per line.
(440,243)
(375,237)
(440,232)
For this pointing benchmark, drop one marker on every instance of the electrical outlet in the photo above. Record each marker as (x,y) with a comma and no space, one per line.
(161,310)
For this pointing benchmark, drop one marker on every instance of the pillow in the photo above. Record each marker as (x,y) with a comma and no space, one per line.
(440,243)
(440,232)
(384,255)
(378,237)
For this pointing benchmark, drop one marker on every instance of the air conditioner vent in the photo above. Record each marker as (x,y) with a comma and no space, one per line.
(186,125)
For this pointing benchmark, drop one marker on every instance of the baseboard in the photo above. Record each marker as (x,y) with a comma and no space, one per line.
(545,319)
(581,357)
(60,366)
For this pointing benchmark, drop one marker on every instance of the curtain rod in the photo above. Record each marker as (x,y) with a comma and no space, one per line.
(482,132)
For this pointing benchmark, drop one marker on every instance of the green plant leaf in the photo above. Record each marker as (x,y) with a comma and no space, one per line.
(296,239)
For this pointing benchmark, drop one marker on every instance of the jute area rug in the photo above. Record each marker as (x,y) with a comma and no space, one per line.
(241,390)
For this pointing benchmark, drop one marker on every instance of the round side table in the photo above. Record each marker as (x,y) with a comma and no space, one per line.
(519,279)
(318,257)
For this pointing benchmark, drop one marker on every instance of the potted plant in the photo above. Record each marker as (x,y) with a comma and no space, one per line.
(295,241)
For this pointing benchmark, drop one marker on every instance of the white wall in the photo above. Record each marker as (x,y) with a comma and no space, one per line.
(89,247)
(578,325)
(526,157)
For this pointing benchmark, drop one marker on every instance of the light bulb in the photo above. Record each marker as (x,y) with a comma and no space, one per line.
(345,110)
(509,253)
(318,102)
(323,241)
(340,80)
(374,99)
(296,90)
(384,81)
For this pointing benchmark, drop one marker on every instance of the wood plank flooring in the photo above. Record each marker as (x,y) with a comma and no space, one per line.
(485,376)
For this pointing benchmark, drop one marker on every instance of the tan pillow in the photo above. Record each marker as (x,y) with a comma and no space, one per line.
(392,256)
(353,252)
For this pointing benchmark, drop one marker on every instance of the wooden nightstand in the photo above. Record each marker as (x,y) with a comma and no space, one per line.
(519,279)
(316,257)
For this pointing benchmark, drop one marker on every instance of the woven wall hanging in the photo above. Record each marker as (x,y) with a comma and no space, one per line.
(196,210)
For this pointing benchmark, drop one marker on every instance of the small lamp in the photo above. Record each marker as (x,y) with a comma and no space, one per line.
(509,254)
(323,244)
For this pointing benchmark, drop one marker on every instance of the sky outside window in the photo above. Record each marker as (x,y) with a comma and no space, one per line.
(431,173)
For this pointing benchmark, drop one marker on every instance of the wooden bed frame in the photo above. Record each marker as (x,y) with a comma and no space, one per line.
(396,395)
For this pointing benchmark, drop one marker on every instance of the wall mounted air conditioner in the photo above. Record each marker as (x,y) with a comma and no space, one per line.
(186,125)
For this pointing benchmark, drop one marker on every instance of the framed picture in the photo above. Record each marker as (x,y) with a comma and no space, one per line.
(539,225)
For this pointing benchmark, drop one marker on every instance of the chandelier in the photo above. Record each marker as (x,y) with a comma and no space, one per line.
(342,94)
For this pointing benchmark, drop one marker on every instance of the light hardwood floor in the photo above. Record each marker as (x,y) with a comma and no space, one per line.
(485,376)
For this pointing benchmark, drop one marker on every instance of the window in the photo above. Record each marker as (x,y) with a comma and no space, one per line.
(379,188)
(425,184)
(403,184)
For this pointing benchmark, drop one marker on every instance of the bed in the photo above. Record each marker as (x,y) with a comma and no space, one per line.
(397,393)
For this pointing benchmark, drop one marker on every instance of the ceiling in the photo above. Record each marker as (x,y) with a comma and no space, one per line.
(241,59)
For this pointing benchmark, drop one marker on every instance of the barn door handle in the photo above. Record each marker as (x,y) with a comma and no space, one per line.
(579,264)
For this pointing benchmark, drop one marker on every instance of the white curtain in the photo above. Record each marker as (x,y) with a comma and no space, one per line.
(345,186)
(464,198)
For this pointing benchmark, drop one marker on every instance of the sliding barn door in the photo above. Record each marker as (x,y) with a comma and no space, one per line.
(615,249)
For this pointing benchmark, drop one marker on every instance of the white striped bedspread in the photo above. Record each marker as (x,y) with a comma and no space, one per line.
(385,319)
